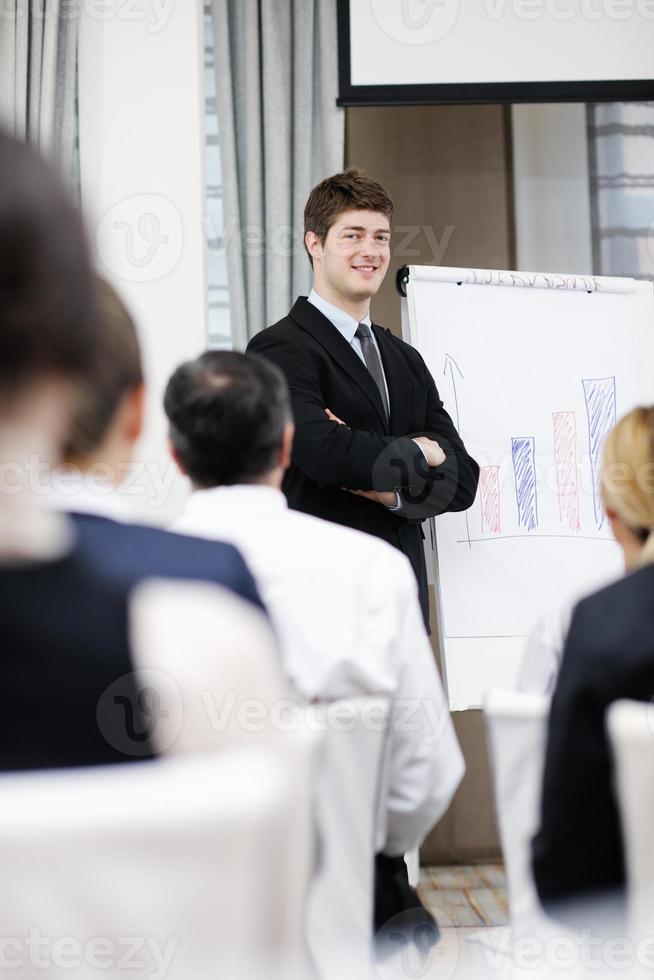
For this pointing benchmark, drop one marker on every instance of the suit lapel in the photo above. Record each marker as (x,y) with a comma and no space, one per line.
(311,319)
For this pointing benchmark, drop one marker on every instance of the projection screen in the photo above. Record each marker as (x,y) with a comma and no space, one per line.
(427,51)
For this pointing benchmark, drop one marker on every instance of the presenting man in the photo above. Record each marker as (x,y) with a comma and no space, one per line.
(374,447)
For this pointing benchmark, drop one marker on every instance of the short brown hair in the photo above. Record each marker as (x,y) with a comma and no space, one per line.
(117,371)
(351,190)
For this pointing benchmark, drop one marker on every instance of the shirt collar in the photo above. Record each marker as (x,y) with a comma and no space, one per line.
(253,496)
(344,323)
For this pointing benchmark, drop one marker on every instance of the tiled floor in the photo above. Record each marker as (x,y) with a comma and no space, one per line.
(466,896)
(469,902)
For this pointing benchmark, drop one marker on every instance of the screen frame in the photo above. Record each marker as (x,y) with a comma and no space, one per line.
(476,93)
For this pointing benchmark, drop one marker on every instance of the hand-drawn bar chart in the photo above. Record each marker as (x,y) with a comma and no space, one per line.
(523,453)
(565,461)
(600,402)
(600,409)
(489,498)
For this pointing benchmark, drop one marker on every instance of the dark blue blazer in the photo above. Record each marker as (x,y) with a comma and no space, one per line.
(66,668)
(129,553)
(67,693)
(323,371)
(578,853)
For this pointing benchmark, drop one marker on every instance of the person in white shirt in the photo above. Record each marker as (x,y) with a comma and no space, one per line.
(344,603)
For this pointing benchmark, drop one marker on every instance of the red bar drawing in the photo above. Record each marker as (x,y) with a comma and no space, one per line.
(565,459)
(489,496)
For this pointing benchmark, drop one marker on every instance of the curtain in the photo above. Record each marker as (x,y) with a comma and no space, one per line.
(621,145)
(280,133)
(38,64)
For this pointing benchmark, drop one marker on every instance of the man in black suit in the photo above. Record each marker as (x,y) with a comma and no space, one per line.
(374,448)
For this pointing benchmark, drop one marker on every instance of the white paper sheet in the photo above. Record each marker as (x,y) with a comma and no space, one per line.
(534,370)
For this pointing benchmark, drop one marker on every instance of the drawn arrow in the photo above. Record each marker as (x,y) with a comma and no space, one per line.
(450,365)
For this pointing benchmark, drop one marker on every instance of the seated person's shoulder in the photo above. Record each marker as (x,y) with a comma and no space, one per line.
(359,554)
(615,626)
(140,549)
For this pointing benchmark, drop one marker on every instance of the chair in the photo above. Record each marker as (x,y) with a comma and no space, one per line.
(516,731)
(347,802)
(212,660)
(165,863)
(630,726)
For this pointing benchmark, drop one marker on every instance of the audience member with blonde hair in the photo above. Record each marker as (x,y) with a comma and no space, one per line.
(609,654)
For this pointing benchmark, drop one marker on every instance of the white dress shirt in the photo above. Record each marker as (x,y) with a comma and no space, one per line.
(345,608)
(347,326)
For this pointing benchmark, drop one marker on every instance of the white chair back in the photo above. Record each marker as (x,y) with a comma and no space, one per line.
(212,660)
(159,868)
(631,731)
(348,786)
(516,731)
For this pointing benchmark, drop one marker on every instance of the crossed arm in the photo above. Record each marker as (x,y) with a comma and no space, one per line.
(334,454)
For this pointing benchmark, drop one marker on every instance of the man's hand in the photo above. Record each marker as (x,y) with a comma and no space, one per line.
(431,450)
(386,497)
(333,418)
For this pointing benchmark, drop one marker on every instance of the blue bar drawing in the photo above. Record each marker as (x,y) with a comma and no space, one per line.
(600,409)
(523,452)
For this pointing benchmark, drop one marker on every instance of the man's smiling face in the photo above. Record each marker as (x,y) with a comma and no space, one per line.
(352,261)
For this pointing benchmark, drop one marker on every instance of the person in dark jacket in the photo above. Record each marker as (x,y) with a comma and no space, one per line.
(578,853)
(374,447)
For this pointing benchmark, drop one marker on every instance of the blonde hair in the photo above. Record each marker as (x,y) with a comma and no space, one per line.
(628,476)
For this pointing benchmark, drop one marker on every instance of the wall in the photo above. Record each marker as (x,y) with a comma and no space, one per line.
(141,159)
(551,183)
(448,171)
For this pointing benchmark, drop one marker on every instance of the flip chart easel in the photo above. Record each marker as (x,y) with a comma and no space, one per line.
(535,369)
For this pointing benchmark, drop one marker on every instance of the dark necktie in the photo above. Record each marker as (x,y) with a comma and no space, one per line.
(371,357)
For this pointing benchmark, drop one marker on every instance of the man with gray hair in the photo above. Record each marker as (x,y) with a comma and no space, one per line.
(344,603)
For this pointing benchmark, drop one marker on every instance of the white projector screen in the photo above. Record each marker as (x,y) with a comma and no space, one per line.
(427,51)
